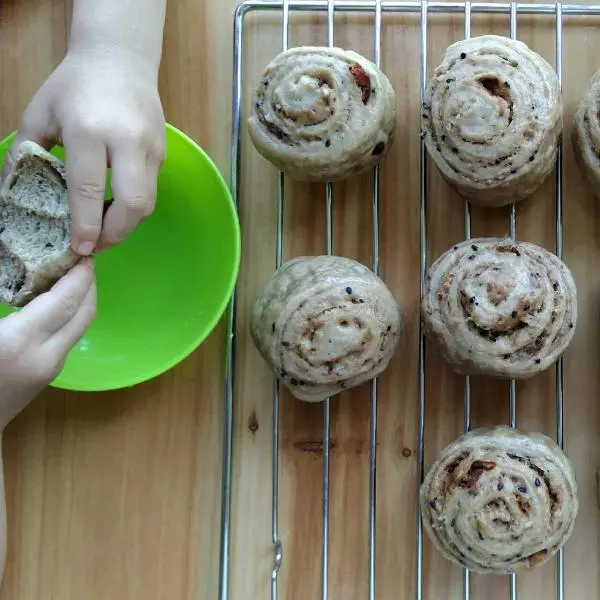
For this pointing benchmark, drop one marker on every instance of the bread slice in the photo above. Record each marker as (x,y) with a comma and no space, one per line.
(35,226)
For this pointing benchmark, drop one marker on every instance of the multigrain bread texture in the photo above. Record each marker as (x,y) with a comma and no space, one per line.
(322,114)
(586,135)
(492,119)
(495,306)
(325,324)
(499,500)
(35,226)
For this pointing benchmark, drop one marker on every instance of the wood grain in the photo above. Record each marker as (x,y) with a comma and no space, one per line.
(118,495)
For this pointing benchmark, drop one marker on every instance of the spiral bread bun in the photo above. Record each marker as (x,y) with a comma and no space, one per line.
(499,500)
(586,135)
(499,307)
(492,118)
(322,114)
(325,324)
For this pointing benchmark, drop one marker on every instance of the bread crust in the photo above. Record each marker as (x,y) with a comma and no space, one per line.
(39,275)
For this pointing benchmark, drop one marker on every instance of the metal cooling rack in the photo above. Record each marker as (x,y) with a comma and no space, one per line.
(376,8)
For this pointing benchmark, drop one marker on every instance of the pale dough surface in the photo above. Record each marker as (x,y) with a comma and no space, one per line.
(586,135)
(499,500)
(494,306)
(492,118)
(325,324)
(322,114)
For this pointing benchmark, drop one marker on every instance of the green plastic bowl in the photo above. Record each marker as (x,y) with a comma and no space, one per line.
(163,290)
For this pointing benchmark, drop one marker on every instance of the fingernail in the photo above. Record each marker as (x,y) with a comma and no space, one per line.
(85,248)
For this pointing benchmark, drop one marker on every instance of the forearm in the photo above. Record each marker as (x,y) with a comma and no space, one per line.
(3,537)
(132,26)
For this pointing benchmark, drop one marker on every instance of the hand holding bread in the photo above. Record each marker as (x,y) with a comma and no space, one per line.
(35,341)
(105,110)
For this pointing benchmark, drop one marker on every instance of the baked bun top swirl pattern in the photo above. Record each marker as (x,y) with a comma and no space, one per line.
(322,114)
(494,306)
(492,117)
(586,134)
(325,324)
(499,501)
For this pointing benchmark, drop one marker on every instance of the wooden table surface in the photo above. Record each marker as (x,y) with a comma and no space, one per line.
(118,495)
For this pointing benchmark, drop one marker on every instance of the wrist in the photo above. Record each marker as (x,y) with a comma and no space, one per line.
(124,57)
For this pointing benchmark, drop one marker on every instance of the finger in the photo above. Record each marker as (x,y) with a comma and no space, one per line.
(64,339)
(34,128)
(134,196)
(86,179)
(50,312)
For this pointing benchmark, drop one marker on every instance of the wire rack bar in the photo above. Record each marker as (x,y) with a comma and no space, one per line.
(373,391)
(378,8)
(399,6)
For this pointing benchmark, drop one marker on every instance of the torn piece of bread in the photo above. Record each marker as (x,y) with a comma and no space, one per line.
(35,226)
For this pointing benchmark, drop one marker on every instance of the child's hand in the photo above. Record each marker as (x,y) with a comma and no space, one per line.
(34,342)
(102,104)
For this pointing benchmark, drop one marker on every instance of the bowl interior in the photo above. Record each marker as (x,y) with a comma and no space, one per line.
(163,290)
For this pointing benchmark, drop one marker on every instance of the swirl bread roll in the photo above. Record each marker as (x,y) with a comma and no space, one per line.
(322,114)
(494,306)
(499,500)
(325,324)
(492,118)
(586,135)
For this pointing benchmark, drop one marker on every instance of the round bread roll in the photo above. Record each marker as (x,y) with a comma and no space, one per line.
(322,114)
(325,324)
(499,500)
(492,119)
(494,306)
(586,135)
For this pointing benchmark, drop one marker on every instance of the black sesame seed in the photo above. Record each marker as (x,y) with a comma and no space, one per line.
(472,299)
(327,143)
(506,84)
(453,523)
(571,326)
(455,248)
(285,344)
(379,148)
(425,116)
(514,314)
(537,482)
(433,502)
(273,327)
(454,150)
(389,328)
(443,137)
(555,286)
(294,381)
(475,248)
(506,356)
(527,307)
(500,486)
(348,290)
(463,55)
(522,489)
(471,257)
(538,361)
(532,158)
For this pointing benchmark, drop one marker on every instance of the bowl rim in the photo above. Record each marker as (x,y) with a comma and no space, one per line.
(221,308)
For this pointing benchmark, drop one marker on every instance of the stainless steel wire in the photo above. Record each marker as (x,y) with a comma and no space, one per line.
(326,407)
(378,8)
(422,274)
(277,546)
(560,412)
(374,383)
